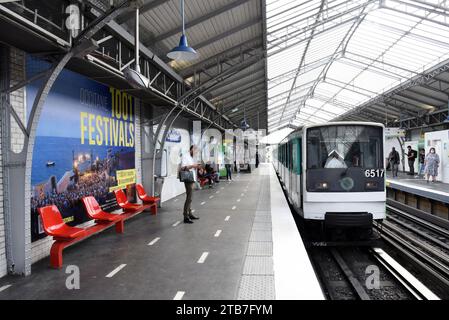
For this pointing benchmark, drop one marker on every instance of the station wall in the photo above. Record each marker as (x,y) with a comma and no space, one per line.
(15,64)
(440,141)
(2,216)
(89,107)
(37,249)
(14,59)
(177,143)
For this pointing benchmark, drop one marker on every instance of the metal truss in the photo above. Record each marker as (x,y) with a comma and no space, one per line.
(418,80)
(334,16)
(237,91)
(340,50)
(419,9)
(220,67)
(433,119)
(215,60)
(224,72)
(289,75)
(283,95)
(247,98)
(116,52)
(419,77)
(148,5)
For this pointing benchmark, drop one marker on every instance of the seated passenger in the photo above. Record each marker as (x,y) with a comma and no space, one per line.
(335,161)
(202,174)
(212,173)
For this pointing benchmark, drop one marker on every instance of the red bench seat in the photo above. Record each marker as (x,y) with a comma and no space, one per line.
(65,235)
(54,225)
(142,194)
(128,207)
(95,212)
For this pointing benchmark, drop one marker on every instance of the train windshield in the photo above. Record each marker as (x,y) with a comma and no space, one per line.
(344,146)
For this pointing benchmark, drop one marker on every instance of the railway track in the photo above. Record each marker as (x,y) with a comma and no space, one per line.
(362,273)
(342,270)
(420,238)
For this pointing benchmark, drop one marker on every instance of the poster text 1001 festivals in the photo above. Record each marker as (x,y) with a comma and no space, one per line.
(116,130)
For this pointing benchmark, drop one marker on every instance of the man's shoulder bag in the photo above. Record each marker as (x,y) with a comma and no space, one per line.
(186,176)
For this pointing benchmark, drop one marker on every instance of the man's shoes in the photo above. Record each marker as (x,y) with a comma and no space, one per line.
(192,217)
(187,220)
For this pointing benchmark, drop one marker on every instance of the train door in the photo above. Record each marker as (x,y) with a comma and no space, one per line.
(299,173)
(296,172)
(282,162)
(293,159)
(291,174)
(287,166)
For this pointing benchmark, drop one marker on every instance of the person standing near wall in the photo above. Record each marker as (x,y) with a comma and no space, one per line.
(393,159)
(422,159)
(411,155)
(432,163)
(228,166)
(257,159)
(187,163)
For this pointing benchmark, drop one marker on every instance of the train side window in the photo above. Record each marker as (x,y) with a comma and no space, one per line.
(282,154)
(285,155)
(299,156)
(293,149)
(290,162)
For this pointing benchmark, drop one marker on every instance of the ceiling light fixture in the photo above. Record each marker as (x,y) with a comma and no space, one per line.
(183,52)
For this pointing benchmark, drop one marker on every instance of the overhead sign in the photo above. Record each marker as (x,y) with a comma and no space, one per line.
(173,136)
(394,133)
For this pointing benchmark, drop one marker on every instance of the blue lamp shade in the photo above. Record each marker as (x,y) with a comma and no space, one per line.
(183,52)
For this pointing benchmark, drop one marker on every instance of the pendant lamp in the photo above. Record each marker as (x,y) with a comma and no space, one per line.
(183,52)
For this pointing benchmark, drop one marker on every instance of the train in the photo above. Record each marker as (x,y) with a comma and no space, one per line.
(334,174)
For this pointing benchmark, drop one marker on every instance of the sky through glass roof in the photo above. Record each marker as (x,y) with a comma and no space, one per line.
(327,57)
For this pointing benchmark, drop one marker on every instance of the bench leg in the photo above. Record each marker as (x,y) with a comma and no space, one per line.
(56,255)
(120,226)
(154,209)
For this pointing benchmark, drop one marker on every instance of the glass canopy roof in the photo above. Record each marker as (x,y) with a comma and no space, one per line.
(328,57)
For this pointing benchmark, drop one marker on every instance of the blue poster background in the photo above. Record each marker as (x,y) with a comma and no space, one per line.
(78,147)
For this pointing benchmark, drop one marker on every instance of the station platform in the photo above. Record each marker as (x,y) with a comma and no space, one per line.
(244,246)
(418,186)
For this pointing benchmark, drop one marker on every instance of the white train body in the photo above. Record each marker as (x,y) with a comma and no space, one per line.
(334,172)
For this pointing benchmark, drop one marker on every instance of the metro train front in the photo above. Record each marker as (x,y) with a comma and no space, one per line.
(335,173)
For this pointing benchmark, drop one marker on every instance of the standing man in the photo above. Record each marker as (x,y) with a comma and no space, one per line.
(411,155)
(393,158)
(422,157)
(187,163)
(257,159)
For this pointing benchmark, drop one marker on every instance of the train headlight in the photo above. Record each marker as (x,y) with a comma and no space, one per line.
(322,186)
(371,185)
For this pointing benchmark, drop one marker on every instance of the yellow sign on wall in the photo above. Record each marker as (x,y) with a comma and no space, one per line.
(124,178)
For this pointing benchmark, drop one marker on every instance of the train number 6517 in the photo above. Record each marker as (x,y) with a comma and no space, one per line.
(374,173)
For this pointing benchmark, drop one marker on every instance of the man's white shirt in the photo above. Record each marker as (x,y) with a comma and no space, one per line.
(187,160)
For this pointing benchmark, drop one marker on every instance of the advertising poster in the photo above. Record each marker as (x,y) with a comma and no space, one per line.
(84,146)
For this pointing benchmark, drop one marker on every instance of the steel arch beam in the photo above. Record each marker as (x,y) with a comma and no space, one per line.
(18,173)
